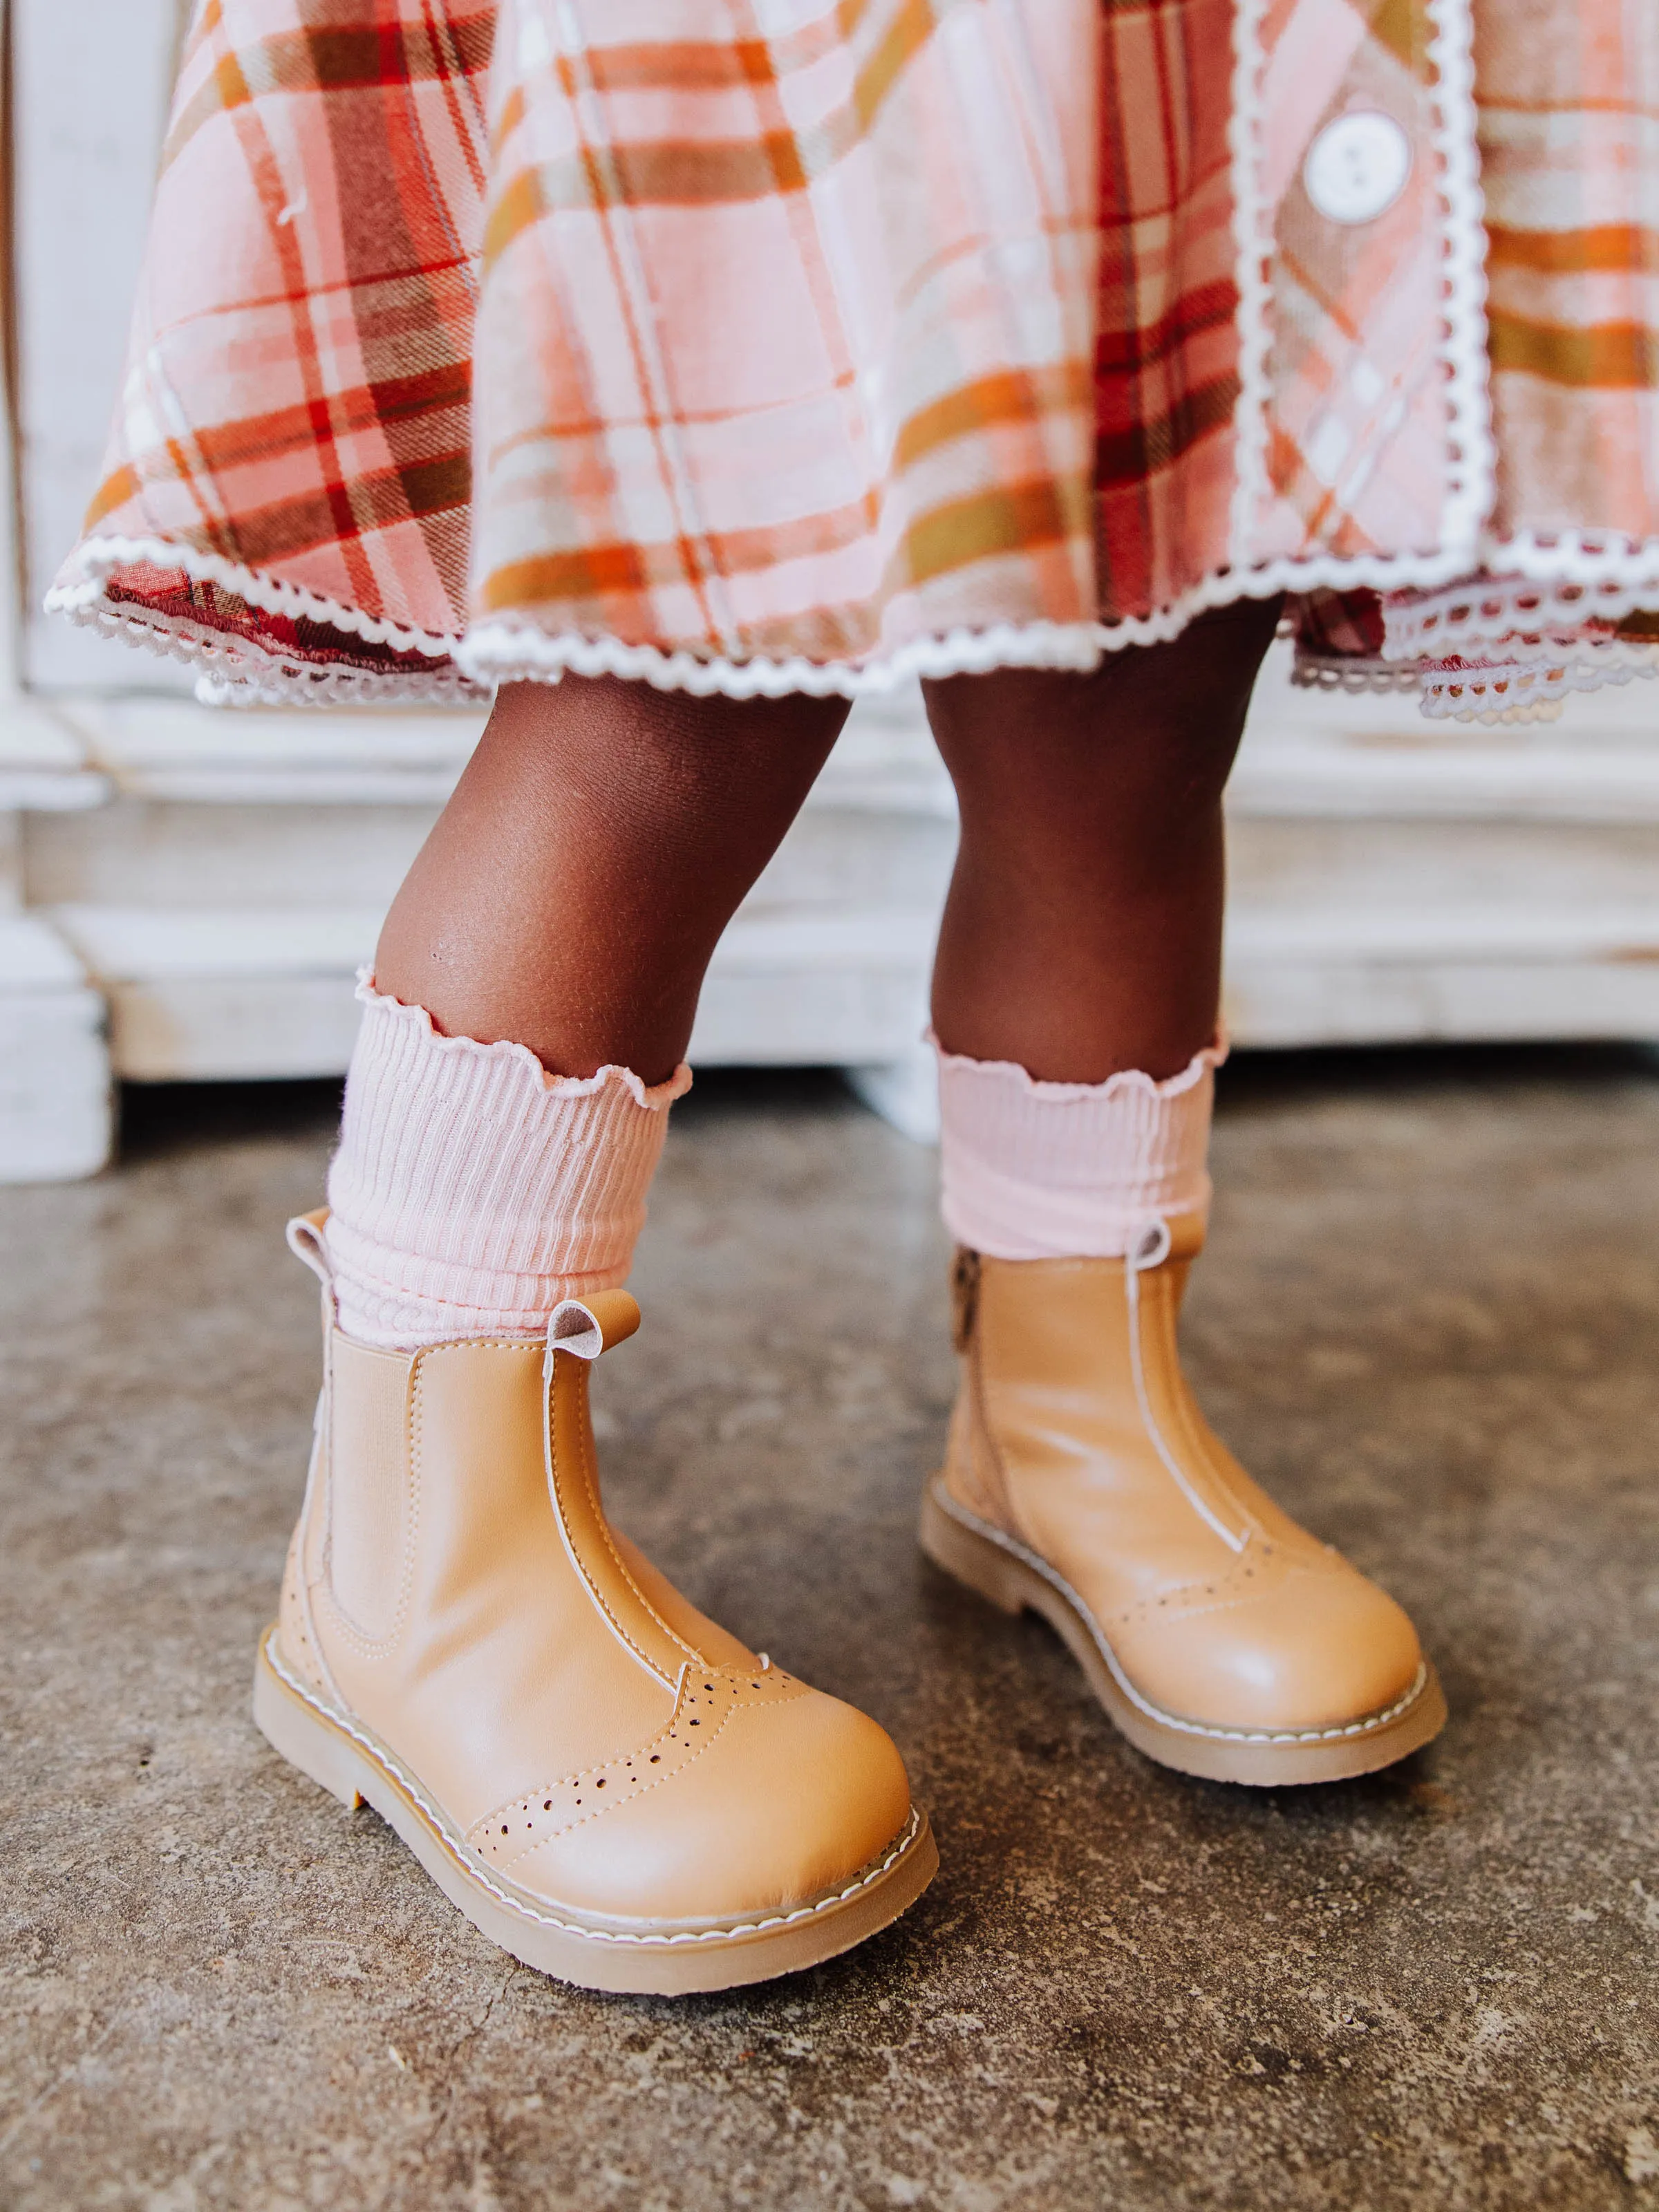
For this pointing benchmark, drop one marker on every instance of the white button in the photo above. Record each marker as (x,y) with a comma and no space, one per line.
(1358,167)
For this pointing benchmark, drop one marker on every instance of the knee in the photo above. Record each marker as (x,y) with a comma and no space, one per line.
(1134,757)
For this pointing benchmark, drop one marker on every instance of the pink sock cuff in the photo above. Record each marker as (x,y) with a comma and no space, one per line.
(1094,1094)
(652,1096)
(1035,1170)
(471,1190)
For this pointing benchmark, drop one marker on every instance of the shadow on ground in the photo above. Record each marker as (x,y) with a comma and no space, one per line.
(1429,1321)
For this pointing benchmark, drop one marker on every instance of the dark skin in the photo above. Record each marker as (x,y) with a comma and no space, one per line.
(1083,930)
(604,834)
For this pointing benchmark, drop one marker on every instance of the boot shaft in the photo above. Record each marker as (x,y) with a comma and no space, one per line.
(453,1569)
(1072,1382)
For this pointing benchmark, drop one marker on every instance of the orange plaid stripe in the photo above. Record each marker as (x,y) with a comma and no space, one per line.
(624,323)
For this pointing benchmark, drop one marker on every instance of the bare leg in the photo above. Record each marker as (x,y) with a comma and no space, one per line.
(1083,931)
(578,881)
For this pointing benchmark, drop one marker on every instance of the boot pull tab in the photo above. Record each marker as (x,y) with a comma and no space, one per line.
(964,1297)
(1150,1247)
(307,1243)
(586,1326)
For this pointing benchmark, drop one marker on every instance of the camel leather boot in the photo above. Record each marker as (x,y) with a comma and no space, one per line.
(1082,1482)
(604,1783)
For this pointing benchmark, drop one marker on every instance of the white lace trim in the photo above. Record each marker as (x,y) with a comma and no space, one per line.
(1594,578)
(1492,709)
(1535,710)
(1471,453)
(1484,608)
(97,558)
(305,685)
(1579,557)
(236,671)
(1522,686)
(1473,467)
(506,651)
(1251,264)
(1317,671)
(243,671)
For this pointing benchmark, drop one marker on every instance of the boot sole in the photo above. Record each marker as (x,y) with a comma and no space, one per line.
(1014,1579)
(661,1958)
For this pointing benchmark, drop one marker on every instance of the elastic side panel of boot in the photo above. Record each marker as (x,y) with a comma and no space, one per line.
(369,1500)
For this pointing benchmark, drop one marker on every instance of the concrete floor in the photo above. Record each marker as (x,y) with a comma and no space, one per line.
(1429,1319)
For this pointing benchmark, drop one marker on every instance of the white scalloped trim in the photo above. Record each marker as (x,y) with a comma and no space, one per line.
(97,558)
(242,672)
(1317,671)
(1250,275)
(1531,689)
(1474,469)
(321,684)
(655,1098)
(236,671)
(1484,609)
(1579,557)
(1471,453)
(506,651)
(1201,1064)
(1544,709)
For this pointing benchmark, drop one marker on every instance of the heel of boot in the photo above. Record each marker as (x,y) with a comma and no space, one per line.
(304,1738)
(969,1558)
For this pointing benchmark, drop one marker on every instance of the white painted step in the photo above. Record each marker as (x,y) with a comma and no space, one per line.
(56,1114)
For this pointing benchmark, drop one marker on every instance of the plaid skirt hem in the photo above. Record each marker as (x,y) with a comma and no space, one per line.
(1481,644)
(482,340)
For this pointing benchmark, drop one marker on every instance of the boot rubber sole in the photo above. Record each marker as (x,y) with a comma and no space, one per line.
(637,1957)
(1014,1579)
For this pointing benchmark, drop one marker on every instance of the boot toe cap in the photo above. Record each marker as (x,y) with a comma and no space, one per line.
(793,1799)
(1322,1650)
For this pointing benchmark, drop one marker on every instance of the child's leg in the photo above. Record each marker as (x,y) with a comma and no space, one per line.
(1075,1003)
(602,837)
(604,1781)
(1083,932)
(561,914)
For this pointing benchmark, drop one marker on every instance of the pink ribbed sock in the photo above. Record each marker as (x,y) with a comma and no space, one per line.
(1061,1170)
(473,1190)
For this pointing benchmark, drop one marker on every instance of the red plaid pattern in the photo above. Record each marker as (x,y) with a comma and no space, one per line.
(482,338)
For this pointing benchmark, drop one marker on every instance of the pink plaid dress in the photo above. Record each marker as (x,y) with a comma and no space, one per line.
(759,345)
